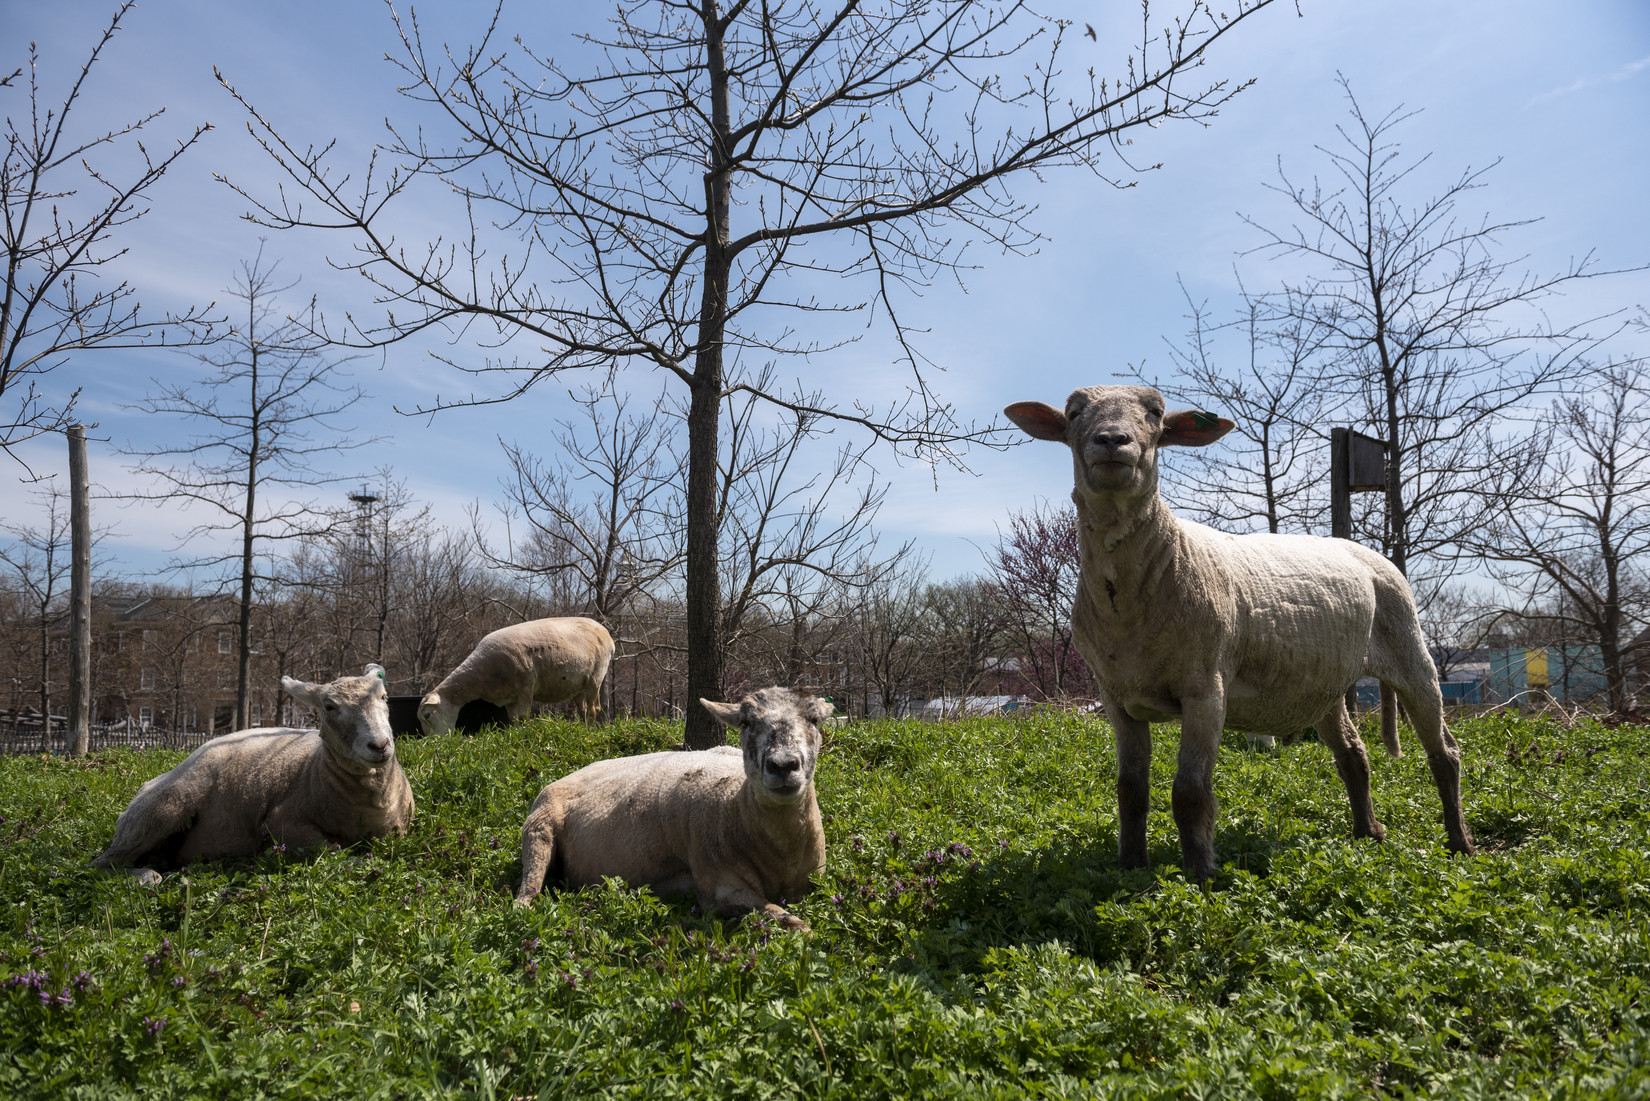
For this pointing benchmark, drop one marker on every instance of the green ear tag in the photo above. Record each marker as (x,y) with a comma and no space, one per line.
(382,677)
(1205,420)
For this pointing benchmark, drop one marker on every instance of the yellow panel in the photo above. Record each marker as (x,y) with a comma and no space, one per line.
(1535,668)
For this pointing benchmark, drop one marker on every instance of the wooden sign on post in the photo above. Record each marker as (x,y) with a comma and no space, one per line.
(1357,464)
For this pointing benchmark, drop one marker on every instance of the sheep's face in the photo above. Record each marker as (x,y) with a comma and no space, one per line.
(354,715)
(434,718)
(1114,433)
(779,736)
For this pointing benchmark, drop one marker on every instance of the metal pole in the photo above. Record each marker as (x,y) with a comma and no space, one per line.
(80,596)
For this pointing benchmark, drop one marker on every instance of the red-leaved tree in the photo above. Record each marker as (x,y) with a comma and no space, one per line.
(1034,571)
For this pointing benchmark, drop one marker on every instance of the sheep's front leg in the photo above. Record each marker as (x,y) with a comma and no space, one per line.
(736,899)
(1134,783)
(1193,799)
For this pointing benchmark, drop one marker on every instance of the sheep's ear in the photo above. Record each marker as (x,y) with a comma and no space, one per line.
(725,713)
(1193,428)
(376,670)
(818,710)
(1037,420)
(302,691)
(431,699)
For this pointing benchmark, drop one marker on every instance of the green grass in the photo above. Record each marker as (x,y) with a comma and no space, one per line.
(973,936)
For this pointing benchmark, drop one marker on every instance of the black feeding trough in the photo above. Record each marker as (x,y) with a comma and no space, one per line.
(471,717)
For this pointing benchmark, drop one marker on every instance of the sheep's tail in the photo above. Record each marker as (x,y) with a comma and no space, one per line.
(1389,721)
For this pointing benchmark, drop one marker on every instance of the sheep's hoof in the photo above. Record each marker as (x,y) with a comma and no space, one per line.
(793,924)
(524,900)
(146,877)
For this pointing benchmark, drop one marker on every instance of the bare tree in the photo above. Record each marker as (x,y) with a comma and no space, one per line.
(1438,337)
(887,624)
(265,416)
(1271,470)
(791,530)
(964,636)
(1566,516)
(607,513)
(39,562)
(718,170)
(66,194)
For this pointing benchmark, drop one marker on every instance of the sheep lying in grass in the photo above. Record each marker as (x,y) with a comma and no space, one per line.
(1259,633)
(540,661)
(739,827)
(340,783)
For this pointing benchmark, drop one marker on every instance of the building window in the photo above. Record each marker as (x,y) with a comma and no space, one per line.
(223,642)
(120,642)
(146,679)
(257,714)
(226,678)
(148,640)
(194,719)
(146,716)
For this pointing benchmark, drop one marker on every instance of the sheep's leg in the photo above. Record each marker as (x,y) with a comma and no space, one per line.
(521,708)
(1352,762)
(538,844)
(1134,784)
(1425,707)
(735,900)
(1193,795)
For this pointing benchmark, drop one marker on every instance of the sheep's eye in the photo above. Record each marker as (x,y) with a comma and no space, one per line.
(330,706)
(1155,414)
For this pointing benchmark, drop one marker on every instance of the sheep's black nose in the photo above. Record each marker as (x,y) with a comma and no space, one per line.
(783,766)
(1110,437)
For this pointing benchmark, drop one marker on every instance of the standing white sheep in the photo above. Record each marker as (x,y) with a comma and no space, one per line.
(739,827)
(1259,633)
(540,661)
(341,783)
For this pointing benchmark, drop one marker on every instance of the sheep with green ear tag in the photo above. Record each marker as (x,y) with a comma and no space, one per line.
(1260,633)
(339,783)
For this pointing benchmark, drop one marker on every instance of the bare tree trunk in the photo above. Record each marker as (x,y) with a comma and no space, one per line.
(79,733)
(249,525)
(705,657)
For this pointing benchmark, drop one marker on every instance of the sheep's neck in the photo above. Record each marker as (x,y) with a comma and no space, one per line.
(369,784)
(781,825)
(1127,546)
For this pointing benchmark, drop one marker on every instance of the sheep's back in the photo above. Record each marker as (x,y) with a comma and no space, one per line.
(572,646)
(638,818)
(1302,609)
(235,780)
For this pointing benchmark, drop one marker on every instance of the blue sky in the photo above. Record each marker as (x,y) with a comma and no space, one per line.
(1560,92)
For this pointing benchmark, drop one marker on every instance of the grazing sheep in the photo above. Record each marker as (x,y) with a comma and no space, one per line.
(739,827)
(540,661)
(1259,633)
(340,783)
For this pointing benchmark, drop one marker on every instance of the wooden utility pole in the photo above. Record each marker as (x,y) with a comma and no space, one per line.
(1357,464)
(80,596)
